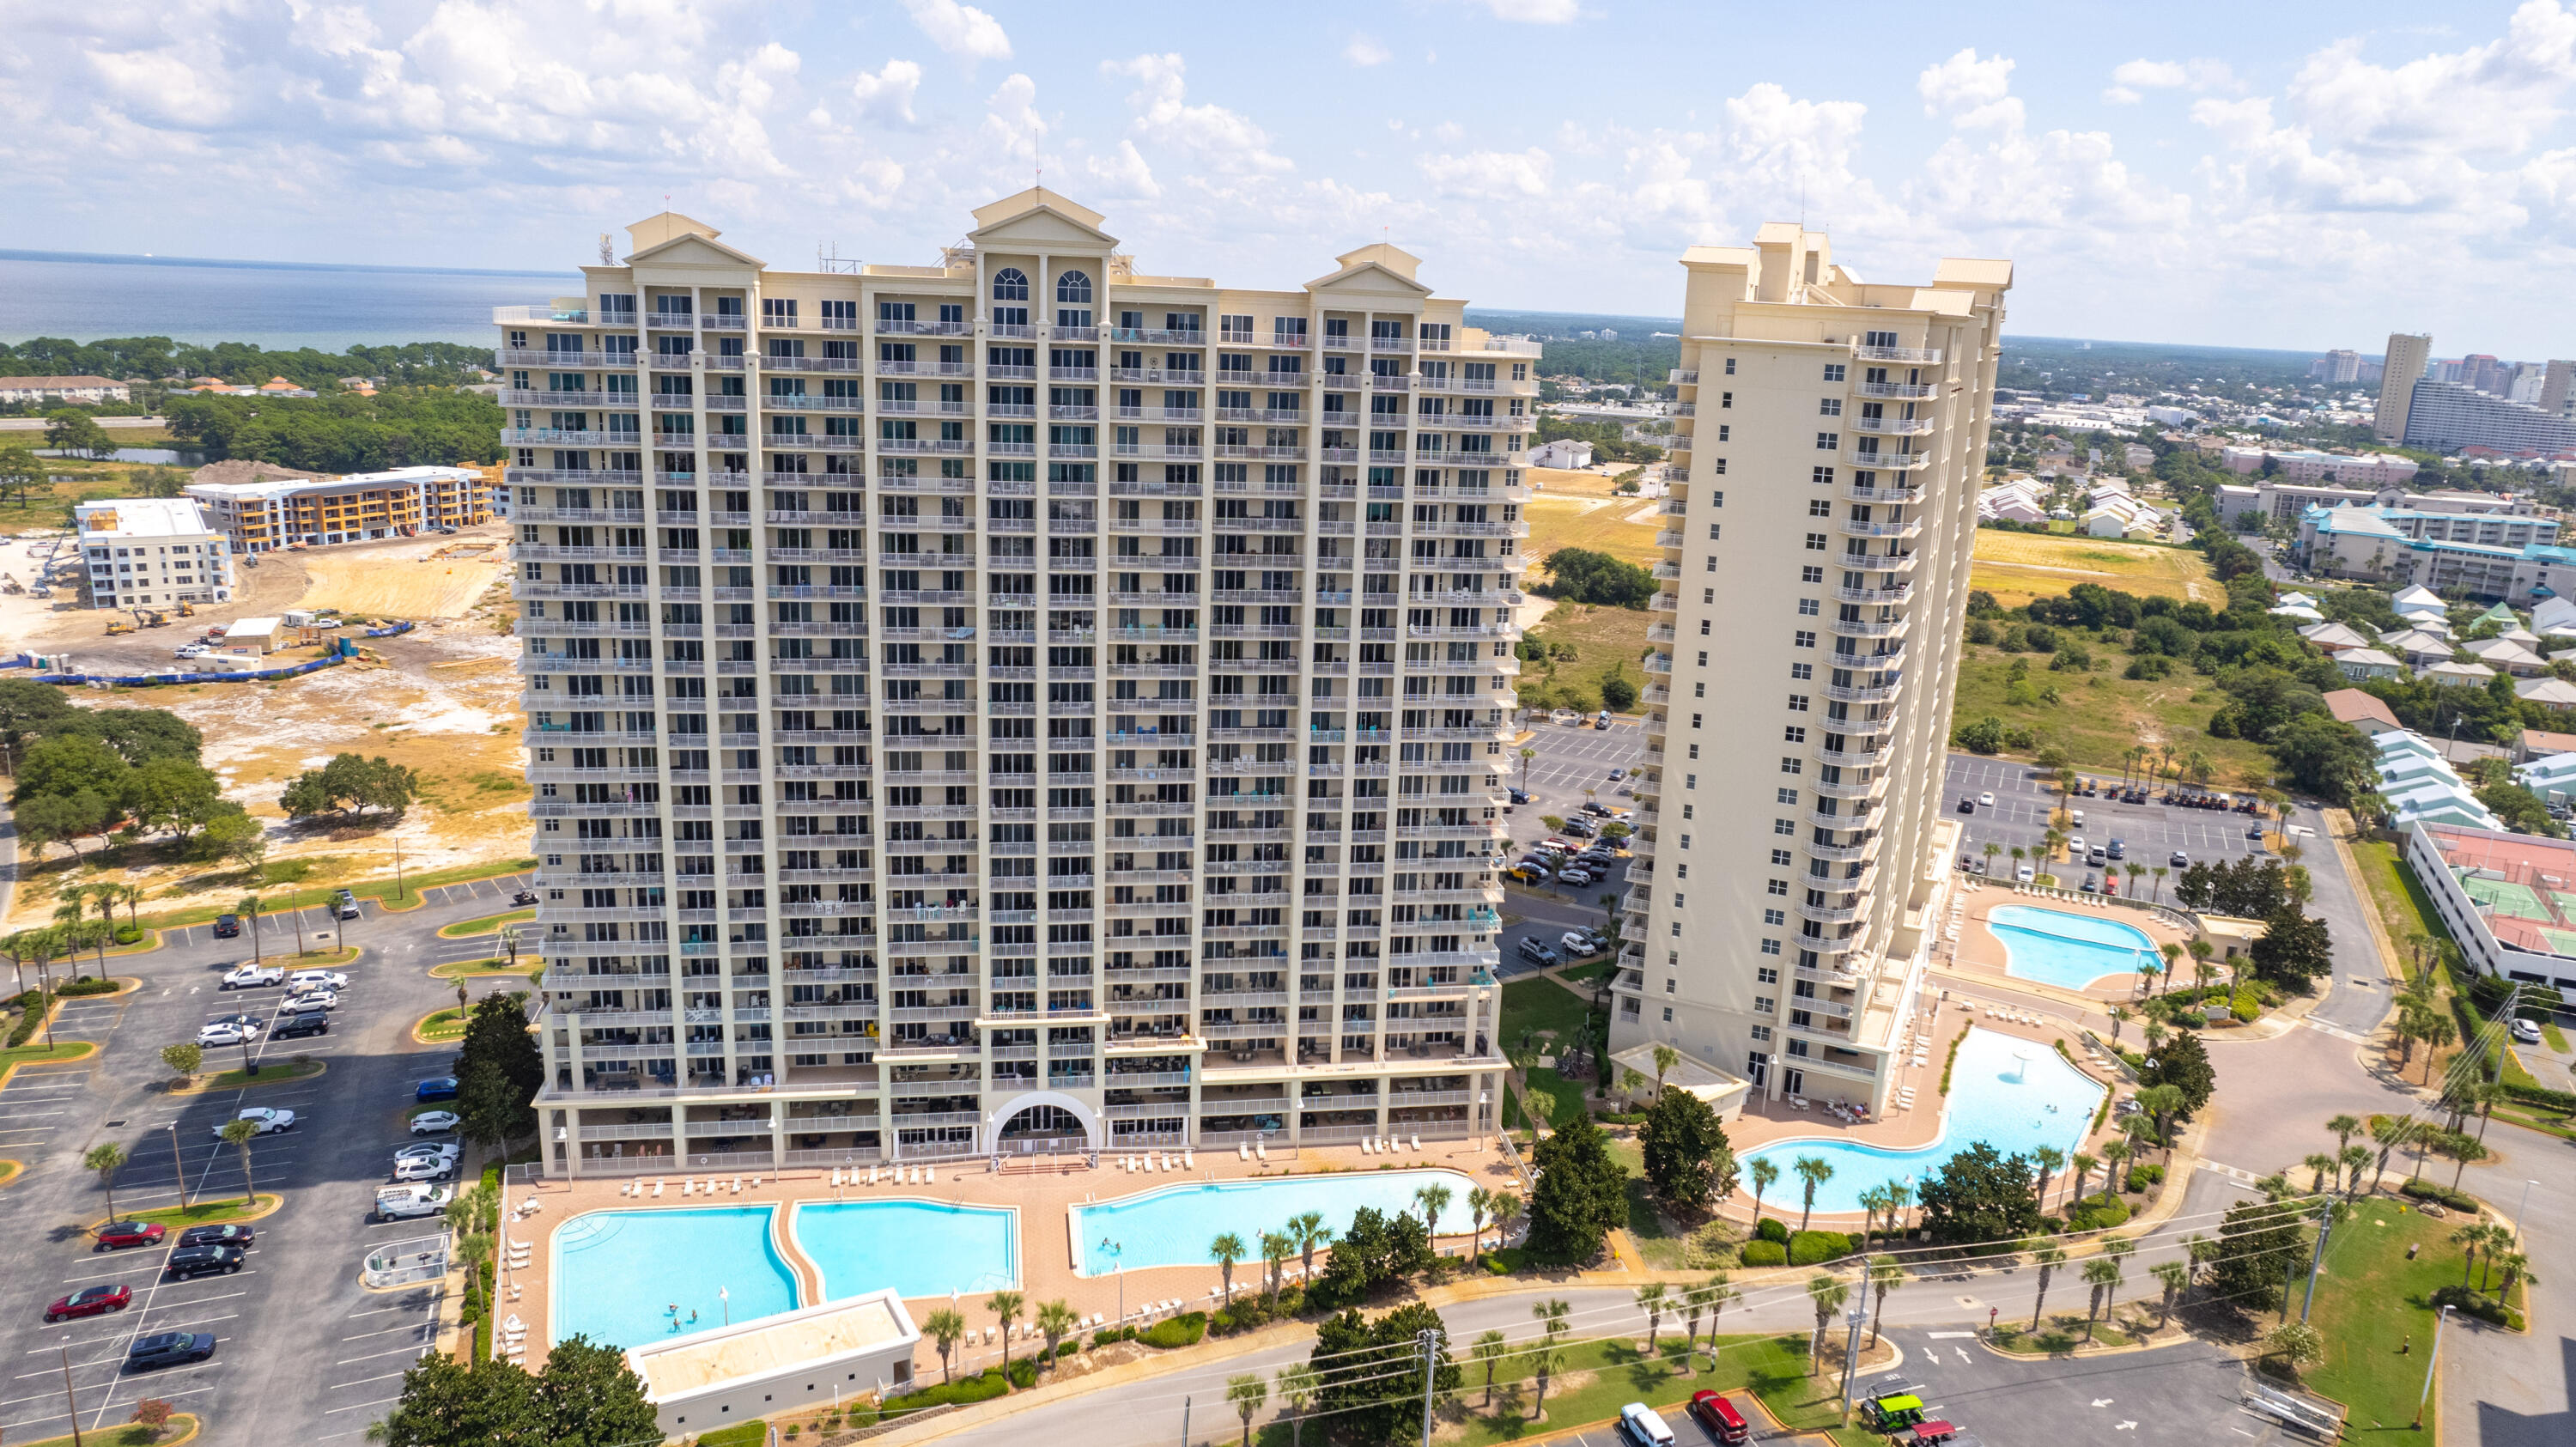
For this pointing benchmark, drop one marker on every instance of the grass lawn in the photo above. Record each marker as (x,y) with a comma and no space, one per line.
(205,1213)
(1536,1008)
(447,1024)
(2017,567)
(2374,1311)
(131,1434)
(377,889)
(529,966)
(1576,522)
(1601,638)
(490,924)
(2100,715)
(269,1074)
(36,1052)
(2063,1332)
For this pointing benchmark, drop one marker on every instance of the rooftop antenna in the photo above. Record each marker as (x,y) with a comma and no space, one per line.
(607,253)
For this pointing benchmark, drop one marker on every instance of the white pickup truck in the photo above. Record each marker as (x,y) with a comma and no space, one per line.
(393,1203)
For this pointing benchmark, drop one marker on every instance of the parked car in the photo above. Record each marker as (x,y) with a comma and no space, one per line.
(402,1202)
(307,1000)
(2254,832)
(1985,801)
(2118,850)
(2024,875)
(297,1027)
(249,977)
(1720,1417)
(318,979)
(430,1151)
(2097,856)
(2527,1031)
(1966,806)
(226,1032)
(227,926)
(1602,719)
(1617,774)
(422,1168)
(1576,874)
(441,1088)
(344,905)
(1582,828)
(1520,796)
(224,1235)
(269,1119)
(1591,806)
(1539,954)
(203,1261)
(168,1349)
(1639,1424)
(117,1235)
(2092,883)
(431,1122)
(90,1301)
(1575,942)
(1531,874)
(2179,860)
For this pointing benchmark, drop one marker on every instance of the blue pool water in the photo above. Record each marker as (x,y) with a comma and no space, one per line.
(618,1273)
(919,1248)
(1173,1226)
(2069,951)
(2011,1093)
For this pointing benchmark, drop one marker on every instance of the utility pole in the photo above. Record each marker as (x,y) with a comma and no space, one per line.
(2432,1359)
(178,1166)
(2317,1258)
(74,1402)
(1185,1416)
(1430,1377)
(1851,1352)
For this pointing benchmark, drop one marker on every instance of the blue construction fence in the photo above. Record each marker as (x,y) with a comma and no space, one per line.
(343,649)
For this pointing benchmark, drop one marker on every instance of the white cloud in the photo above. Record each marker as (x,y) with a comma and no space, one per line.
(1972,93)
(1536,12)
(961,30)
(887,95)
(1226,140)
(2130,80)
(1011,119)
(1481,174)
(1123,174)
(1363,51)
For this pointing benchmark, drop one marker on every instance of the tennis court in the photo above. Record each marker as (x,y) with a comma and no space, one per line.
(2505,897)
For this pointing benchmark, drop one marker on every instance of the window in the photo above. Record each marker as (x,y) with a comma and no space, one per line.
(1730,370)
(1716,499)
(1828,441)
(1722,430)
(1763,1032)
(1822,477)
(1703,627)
(1686,841)
(1791,765)
(1818,507)
(1679,902)
(1073,288)
(1803,639)
(1802,670)
(1780,857)
(1694,720)
(1834,371)
(1703,658)
(1699,690)
(1788,797)
(1783,826)
(1766,975)
(1811,574)
(1808,607)
(1815,542)
(1712,531)
(1708,595)
(1794,734)
(1764,1005)
(1775,917)
(1712,565)
(1829,407)
(1671,987)
(1725,399)
(1010,284)
(1797,703)
(1694,751)
(1690,781)
(1779,887)
(1668,1014)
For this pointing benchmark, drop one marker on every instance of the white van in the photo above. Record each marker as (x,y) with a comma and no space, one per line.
(1639,1424)
(394,1203)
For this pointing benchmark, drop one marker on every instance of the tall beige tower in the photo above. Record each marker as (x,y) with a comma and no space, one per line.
(1796,851)
(2558,389)
(2407,354)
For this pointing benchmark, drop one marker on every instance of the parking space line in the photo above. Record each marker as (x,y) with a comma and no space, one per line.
(415,1350)
(362,1381)
(359,1407)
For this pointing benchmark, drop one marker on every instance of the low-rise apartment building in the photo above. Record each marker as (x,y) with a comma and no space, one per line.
(2370,470)
(274,513)
(2276,500)
(152,553)
(2461,554)
(63,389)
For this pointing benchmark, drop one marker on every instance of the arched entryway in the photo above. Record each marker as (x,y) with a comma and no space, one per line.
(1042,1122)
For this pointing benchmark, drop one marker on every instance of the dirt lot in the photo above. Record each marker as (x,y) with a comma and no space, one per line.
(2017,567)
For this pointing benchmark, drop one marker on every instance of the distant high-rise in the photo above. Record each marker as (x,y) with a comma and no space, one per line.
(2448,416)
(2485,373)
(2343,365)
(2407,354)
(2558,390)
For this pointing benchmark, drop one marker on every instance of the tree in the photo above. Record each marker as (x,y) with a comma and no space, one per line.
(2048,1258)
(2174,1276)
(2472,1239)
(71,430)
(1432,1199)
(1589,577)
(19,471)
(1227,1249)
(2182,1062)
(1715,1294)
(2296,1343)
(1309,1231)
(445,1403)
(1055,1320)
(1827,1293)
(153,1415)
(1885,1275)
(1369,1373)
(1619,692)
(105,1158)
(1686,1152)
(1582,1194)
(1248,1393)
(1979,1195)
(1549,1354)
(2050,1161)
(2293,950)
(1764,1171)
(2103,1275)
(2256,1241)
(1490,1348)
(589,1397)
(1298,1385)
(1652,1300)
(1813,1171)
(1275,1247)
(498,1071)
(241,1133)
(350,784)
(183,1059)
(945,1327)
(1480,1203)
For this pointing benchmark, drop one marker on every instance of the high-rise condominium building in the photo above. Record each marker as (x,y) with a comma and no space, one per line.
(1817,577)
(2407,355)
(1012,703)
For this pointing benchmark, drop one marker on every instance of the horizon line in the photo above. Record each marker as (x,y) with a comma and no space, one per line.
(239,264)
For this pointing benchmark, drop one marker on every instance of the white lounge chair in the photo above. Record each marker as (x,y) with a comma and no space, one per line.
(737,1185)
(1242,1152)
(1189,1160)
(687,1186)
(1417,1143)
(657,1188)
(1261,1150)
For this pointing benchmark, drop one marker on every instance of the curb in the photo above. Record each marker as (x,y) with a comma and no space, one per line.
(2156,1341)
(17,1170)
(489,925)
(420,1039)
(88,1049)
(321,1068)
(276,1203)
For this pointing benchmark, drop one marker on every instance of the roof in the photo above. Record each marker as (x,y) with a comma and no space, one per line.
(2352,706)
(278,487)
(2367,657)
(2551,692)
(2332,635)
(702,1361)
(55,384)
(2542,741)
(140,517)
(2416,593)
(254,627)
(2520,883)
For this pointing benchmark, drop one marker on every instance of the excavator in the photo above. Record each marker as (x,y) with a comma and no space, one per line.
(118,625)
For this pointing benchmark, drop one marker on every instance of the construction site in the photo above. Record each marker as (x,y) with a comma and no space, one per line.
(441,699)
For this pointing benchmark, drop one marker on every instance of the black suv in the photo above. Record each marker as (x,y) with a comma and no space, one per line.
(168,1349)
(297,1026)
(215,1236)
(227,926)
(203,1260)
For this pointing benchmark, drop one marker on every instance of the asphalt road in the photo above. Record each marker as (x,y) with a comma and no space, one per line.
(302,1351)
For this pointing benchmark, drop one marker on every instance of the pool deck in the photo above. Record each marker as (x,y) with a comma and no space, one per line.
(1979,955)
(1766,1121)
(1042,1197)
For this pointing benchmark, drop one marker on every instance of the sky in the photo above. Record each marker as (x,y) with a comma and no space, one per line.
(2285,175)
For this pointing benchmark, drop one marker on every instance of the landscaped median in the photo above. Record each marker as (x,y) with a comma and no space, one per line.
(178,1428)
(490,924)
(302,1067)
(58,1054)
(526,968)
(204,1213)
(440,1026)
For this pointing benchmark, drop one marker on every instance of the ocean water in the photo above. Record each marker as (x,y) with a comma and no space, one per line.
(277,305)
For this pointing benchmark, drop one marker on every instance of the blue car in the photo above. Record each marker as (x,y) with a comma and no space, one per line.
(168,1348)
(443,1088)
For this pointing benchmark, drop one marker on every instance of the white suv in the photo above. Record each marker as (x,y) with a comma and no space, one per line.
(323,979)
(268,1120)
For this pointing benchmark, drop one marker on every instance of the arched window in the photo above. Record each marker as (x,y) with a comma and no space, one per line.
(1073,288)
(1010,284)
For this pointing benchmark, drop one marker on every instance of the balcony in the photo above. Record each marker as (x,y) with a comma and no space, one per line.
(1680,377)
(1897,354)
(1887,461)
(1893,426)
(1900,528)
(1901,593)
(1873,628)
(1896,389)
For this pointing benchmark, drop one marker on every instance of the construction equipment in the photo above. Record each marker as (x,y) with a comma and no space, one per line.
(152,617)
(187,609)
(118,625)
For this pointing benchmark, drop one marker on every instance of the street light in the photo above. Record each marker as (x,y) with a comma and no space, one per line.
(178,1167)
(2517,1210)
(2433,1359)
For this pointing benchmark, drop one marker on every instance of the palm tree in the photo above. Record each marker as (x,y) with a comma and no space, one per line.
(1828,1293)
(2104,1275)
(1872,1201)
(107,897)
(1489,1349)
(1006,1305)
(1548,1355)
(1309,1232)
(2082,1165)
(2050,1161)
(2172,953)
(2474,1237)
(104,1158)
(2159,871)
(131,896)
(2516,1267)
(1885,1275)
(1227,1248)
(1247,1392)
(1299,1385)
(248,908)
(1055,1321)
(1652,1301)
(1507,1214)
(945,1328)
(1716,1293)
(1480,1201)
(2318,1163)
(2350,1163)
(2113,1153)
(1763,1172)
(2436,1031)
(2388,1132)
(2049,1258)
(1274,1259)
(1899,1196)
(1992,849)
(2174,1275)
(1666,1057)
(1813,1171)
(241,1133)
(2119,1017)
(1433,1200)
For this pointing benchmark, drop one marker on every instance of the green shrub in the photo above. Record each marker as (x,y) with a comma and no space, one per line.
(127,934)
(87,985)
(1507,1260)
(1765,1253)
(2424,1190)
(740,1434)
(1184,1330)
(982,1387)
(1773,1229)
(2141,1177)
(2098,1212)
(2247,1006)
(1024,1373)
(1810,1247)
(2485,1309)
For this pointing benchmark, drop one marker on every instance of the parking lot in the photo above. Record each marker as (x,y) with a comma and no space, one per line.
(302,1350)
(2026,801)
(1568,761)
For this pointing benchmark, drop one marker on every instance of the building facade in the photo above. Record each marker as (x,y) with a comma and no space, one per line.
(63,389)
(2408,354)
(1817,576)
(274,513)
(2451,416)
(153,552)
(1012,704)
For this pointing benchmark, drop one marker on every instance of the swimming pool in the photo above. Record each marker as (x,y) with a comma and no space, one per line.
(2070,951)
(920,1248)
(2009,1092)
(1173,1226)
(619,1274)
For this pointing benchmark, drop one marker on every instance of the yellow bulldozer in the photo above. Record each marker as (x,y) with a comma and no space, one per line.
(118,625)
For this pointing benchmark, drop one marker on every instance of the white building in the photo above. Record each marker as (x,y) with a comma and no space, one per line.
(2420,785)
(1563,452)
(279,512)
(2503,896)
(816,1356)
(152,552)
(63,389)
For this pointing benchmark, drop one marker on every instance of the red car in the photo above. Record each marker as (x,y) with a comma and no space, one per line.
(92,1301)
(116,1234)
(1719,1416)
